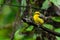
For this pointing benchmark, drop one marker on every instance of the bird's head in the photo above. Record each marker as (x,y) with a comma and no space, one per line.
(37,13)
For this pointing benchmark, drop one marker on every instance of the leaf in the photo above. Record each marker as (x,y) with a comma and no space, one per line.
(49,26)
(30,28)
(31,37)
(18,36)
(57,19)
(56,2)
(23,26)
(23,3)
(56,6)
(31,1)
(57,30)
(57,38)
(45,5)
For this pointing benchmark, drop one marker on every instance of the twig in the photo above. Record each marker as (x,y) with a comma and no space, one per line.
(21,6)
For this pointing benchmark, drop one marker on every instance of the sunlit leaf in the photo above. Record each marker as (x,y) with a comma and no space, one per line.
(57,38)
(23,27)
(45,5)
(18,36)
(24,37)
(34,37)
(49,26)
(57,30)
(56,2)
(57,19)
(30,28)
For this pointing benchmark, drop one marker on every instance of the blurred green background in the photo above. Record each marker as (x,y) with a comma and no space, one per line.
(11,24)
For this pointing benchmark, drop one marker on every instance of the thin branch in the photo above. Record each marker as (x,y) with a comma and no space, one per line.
(21,6)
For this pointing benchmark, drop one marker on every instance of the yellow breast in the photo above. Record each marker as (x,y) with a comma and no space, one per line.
(38,20)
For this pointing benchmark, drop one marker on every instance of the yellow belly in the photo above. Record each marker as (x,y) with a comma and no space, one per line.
(38,20)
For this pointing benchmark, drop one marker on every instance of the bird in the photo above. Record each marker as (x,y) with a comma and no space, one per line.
(37,19)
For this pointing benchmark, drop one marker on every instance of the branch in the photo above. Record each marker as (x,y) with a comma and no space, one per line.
(21,6)
(44,28)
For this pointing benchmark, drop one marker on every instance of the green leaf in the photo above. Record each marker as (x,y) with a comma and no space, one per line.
(56,2)
(23,3)
(18,36)
(57,19)
(57,30)
(31,37)
(31,1)
(30,28)
(49,26)
(45,5)
(57,38)
(23,27)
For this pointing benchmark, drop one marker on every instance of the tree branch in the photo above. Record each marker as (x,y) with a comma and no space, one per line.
(44,28)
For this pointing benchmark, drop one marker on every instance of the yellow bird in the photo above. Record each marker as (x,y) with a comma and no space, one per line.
(36,18)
